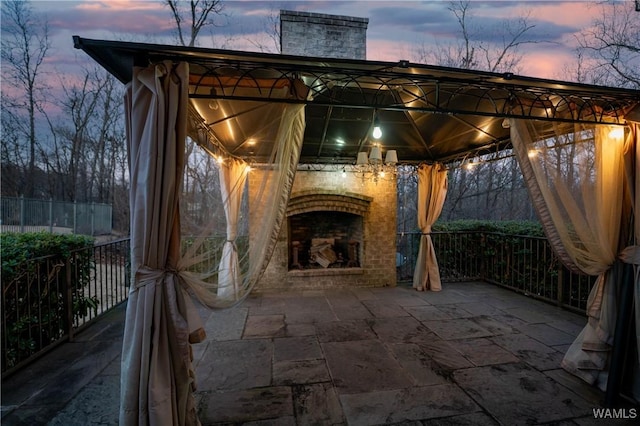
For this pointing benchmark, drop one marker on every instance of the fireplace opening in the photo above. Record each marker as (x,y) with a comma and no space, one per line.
(325,239)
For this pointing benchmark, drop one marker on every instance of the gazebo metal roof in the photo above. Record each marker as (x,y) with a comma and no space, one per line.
(428,113)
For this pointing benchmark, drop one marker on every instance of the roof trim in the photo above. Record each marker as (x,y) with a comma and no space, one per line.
(136,52)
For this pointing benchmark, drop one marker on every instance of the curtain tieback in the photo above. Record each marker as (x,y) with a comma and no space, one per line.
(146,275)
(631,255)
(195,332)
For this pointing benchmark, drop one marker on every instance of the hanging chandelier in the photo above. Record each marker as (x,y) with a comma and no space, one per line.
(371,164)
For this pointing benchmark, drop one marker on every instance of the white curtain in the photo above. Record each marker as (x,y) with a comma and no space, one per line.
(575,175)
(156,377)
(243,258)
(432,191)
(233,176)
(632,254)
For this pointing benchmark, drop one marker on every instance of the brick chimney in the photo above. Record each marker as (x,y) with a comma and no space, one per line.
(323,36)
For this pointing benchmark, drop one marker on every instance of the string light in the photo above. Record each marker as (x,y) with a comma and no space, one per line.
(616,133)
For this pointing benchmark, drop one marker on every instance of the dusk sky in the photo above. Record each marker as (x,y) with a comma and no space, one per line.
(396,29)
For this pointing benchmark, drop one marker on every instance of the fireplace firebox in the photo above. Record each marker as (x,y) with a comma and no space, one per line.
(326,229)
(325,239)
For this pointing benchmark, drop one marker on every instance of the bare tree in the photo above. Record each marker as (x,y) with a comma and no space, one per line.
(106,141)
(25,44)
(271,28)
(201,176)
(493,189)
(580,71)
(200,14)
(12,153)
(83,154)
(489,187)
(470,52)
(80,106)
(505,56)
(611,46)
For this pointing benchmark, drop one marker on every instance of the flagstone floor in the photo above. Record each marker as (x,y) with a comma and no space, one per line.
(472,354)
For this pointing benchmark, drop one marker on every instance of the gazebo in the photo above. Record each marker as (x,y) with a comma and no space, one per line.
(577,145)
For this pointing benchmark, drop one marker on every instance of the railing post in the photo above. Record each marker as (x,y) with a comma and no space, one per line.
(75,216)
(22,213)
(483,257)
(51,215)
(93,218)
(560,284)
(68,299)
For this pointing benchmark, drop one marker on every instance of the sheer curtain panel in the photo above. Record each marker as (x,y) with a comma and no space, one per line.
(575,175)
(228,252)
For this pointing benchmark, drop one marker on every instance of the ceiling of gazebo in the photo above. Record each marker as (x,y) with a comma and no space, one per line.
(427,113)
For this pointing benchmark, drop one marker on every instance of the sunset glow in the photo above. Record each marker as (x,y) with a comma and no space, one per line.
(402,31)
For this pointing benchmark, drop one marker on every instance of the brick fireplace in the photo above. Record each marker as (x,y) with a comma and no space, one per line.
(340,230)
(352,220)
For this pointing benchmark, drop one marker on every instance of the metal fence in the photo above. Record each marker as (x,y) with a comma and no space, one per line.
(54,298)
(49,299)
(522,263)
(29,215)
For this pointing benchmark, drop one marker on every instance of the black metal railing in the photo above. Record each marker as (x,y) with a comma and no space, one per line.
(53,298)
(525,264)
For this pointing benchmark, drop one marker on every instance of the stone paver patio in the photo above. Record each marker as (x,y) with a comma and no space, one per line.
(472,354)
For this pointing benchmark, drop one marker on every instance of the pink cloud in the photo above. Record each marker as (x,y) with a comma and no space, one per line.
(548,65)
(151,21)
(99,6)
(576,14)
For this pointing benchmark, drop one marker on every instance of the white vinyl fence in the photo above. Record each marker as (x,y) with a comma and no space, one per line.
(62,217)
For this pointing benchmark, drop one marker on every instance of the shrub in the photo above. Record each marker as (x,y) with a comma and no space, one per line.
(509,227)
(35,268)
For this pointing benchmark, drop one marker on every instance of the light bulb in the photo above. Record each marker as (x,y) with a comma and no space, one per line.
(377,132)
(617,133)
